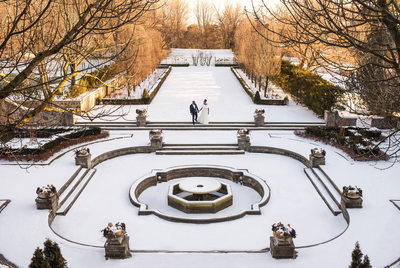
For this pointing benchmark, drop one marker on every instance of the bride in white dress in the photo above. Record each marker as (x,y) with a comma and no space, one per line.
(204,117)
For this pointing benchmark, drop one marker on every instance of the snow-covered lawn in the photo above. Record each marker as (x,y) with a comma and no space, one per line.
(293,198)
(226,98)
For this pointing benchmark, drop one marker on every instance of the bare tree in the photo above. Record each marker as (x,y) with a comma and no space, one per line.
(173,18)
(228,20)
(41,43)
(205,17)
(368,34)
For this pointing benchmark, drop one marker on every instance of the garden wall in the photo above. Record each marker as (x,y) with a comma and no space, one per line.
(138,101)
(251,95)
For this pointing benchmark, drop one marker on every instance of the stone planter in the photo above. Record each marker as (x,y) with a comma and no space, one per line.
(352,201)
(83,160)
(317,157)
(282,247)
(259,119)
(141,118)
(243,139)
(156,139)
(47,202)
(117,247)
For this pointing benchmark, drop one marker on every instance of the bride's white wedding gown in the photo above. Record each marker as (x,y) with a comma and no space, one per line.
(204,117)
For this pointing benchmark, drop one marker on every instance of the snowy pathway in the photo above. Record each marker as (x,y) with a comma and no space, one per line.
(226,98)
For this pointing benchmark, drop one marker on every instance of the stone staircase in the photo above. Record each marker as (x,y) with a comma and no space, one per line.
(199,149)
(326,188)
(71,190)
(212,126)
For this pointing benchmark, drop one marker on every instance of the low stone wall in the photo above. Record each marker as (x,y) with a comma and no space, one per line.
(199,171)
(385,123)
(251,94)
(333,119)
(44,118)
(273,150)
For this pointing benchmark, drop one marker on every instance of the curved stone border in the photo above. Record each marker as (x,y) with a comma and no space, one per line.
(165,175)
(253,149)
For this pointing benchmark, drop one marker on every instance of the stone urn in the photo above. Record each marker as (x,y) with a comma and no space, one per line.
(259,117)
(243,138)
(83,158)
(281,242)
(352,197)
(117,243)
(47,197)
(317,157)
(156,138)
(141,117)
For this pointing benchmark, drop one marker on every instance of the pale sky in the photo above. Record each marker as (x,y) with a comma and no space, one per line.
(244,3)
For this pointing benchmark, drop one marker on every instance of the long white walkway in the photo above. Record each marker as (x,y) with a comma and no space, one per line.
(227,99)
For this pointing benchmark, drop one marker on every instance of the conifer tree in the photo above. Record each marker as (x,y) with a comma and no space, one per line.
(38,261)
(53,255)
(366,263)
(356,257)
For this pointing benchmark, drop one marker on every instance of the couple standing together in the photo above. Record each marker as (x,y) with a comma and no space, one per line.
(204,116)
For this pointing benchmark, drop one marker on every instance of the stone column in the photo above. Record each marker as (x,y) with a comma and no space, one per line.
(46,198)
(317,157)
(156,138)
(117,247)
(141,118)
(83,158)
(243,139)
(282,247)
(331,118)
(259,117)
(352,197)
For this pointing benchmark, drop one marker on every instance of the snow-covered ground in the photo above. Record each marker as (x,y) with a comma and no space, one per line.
(293,198)
(226,98)
(184,56)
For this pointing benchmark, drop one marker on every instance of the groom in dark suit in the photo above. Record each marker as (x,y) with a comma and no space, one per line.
(194,110)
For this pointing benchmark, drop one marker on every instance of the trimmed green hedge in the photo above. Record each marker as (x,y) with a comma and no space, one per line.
(308,88)
(87,83)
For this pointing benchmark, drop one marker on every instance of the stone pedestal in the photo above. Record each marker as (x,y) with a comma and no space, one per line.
(243,141)
(117,247)
(352,202)
(331,118)
(141,120)
(317,160)
(259,120)
(282,248)
(50,202)
(156,141)
(83,160)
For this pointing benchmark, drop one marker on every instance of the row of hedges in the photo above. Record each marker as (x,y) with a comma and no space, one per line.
(77,133)
(308,88)
(256,97)
(357,142)
(146,99)
(87,83)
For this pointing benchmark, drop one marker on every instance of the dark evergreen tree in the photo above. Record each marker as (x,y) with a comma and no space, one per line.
(38,261)
(257,97)
(53,255)
(356,257)
(366,263)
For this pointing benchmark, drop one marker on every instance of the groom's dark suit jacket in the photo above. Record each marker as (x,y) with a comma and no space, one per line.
(193,108)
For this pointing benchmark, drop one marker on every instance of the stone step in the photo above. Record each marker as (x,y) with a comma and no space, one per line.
(70,199)
(323,192)
(190,123)
(199,152)
(198,147)
(198,144)
(205,128)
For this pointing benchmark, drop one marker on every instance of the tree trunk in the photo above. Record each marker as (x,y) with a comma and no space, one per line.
(259,83)
(266,86)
